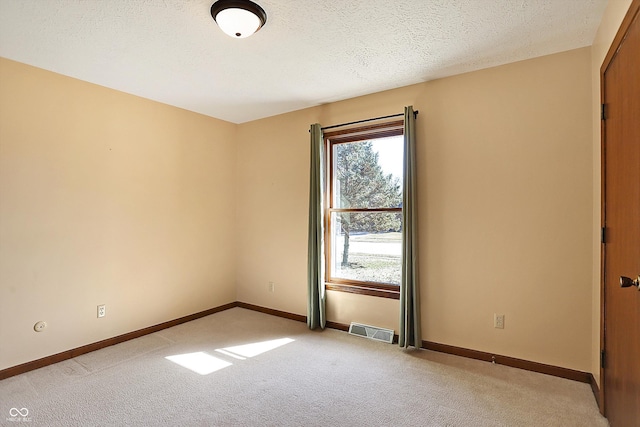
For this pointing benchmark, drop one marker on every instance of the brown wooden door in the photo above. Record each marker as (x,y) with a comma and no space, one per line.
(621,150)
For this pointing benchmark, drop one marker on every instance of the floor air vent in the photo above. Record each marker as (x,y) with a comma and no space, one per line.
(373,332)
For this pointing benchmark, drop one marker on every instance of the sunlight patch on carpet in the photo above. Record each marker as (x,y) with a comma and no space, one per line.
(204,364)
(254,349)
(199,362)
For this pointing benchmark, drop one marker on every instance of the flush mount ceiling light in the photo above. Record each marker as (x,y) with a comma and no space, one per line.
(238,18)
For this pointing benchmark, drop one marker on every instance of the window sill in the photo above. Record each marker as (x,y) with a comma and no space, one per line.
(364,290)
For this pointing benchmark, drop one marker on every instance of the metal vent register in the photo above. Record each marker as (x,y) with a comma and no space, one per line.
(371,332)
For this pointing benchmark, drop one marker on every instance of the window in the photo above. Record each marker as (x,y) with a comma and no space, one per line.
(364,210)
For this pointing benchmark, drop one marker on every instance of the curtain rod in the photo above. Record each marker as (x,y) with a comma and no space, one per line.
(415,113)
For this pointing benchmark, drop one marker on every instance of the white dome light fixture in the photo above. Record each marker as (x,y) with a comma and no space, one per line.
(238,18)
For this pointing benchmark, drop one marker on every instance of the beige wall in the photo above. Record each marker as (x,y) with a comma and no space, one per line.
(508,210)
(611,20)
(106,198)
(505,206)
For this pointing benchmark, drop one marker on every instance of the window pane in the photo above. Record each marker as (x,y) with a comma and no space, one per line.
(368,174)
(366,246)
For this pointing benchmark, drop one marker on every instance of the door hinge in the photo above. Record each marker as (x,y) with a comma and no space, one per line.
(603,235)
(603,111)
(602,358)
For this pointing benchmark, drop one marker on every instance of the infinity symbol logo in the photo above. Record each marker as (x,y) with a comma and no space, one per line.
(14,412)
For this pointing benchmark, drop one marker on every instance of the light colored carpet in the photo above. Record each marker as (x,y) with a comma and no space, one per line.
(326,378)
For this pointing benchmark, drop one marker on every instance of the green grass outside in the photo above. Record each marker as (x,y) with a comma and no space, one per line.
(372,268)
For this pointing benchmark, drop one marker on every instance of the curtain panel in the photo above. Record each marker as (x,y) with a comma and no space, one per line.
(409,333)
(316,317)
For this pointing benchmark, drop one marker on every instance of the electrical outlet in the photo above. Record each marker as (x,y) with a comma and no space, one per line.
(271,287)
(498,321)
(102,310)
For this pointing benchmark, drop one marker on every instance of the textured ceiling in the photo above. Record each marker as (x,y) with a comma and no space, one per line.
(309,52)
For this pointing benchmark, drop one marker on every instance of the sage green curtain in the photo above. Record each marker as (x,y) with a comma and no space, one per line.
(409,332)
(315,267)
